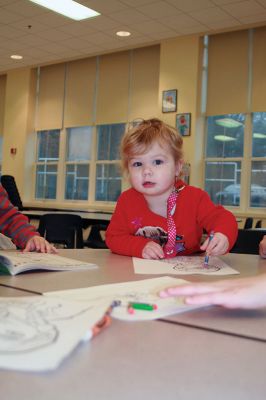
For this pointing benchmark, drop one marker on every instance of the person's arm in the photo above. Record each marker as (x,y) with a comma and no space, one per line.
(16,226)
(219,220)
(119,238)
(247,293)
(262,247)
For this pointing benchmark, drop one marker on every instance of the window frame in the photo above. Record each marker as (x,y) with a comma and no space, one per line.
(62,166)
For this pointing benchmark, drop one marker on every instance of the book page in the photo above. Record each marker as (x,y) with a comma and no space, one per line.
(36,260)
(183,265)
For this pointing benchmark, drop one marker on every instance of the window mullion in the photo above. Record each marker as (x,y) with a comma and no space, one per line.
(61,166)
(246,165)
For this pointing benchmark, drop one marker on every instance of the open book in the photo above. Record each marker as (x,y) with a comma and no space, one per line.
(14,262)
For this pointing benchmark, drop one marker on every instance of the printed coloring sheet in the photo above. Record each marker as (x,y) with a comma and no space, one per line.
(143,291)
(37,333)
(183,265)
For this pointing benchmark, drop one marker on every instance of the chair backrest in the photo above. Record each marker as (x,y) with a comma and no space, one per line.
(9,184)
(258,223)
(63,229)
(248,241)
(248,223)
(95,240)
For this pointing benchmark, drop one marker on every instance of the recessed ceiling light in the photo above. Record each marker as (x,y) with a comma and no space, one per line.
(68,8)
(16,57)
(123,33)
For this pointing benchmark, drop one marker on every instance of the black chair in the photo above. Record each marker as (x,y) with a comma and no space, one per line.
(248,241)
(248,223)
(258,223)
(64,229)
(95,240)
(9,184)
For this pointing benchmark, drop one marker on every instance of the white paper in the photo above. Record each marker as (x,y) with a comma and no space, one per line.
(146,291)
(37,333)
(183,265)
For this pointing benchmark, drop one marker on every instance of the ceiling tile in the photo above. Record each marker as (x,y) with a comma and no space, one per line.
(29,26)
(163,35)
(105,6)
(7,31)
(223,24)
(190,5)
(209,15)
(32,40)
(252,19)
(51,34)
(129,16)
(151,27)
(181,20)
(136,2)
(7,17)
(24,8)
(158,9)
(244,8)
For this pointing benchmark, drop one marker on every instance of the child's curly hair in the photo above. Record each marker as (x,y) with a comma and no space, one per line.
(138,139)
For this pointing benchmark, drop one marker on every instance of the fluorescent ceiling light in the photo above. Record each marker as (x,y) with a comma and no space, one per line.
(69,8)
(228,123)
(224,138)
(259,135)
(123,33)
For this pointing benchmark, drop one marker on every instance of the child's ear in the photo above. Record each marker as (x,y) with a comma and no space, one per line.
(179,167)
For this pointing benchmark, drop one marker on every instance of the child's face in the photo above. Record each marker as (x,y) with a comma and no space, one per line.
(154,172)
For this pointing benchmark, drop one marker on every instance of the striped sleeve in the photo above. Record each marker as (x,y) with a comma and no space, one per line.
(14,224)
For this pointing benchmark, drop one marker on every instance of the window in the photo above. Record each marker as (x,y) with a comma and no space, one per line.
(89,158)
(47,164)
(78,156)
(226,155)
(258,163)
(108,174)
(235,136)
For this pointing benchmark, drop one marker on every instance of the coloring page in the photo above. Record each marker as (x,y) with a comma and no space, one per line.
(183,265)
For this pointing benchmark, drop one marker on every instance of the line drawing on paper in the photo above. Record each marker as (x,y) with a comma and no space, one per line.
(192,265)
(27,326)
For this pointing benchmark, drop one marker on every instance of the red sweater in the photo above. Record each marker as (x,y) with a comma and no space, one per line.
(133,224)
(14,224)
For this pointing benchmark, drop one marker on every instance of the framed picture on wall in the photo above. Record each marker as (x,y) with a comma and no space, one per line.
(169,101)
(183,123)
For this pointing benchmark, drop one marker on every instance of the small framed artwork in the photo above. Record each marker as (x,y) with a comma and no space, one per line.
(169,101)
(183,123)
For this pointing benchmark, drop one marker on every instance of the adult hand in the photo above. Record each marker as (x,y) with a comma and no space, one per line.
(247,293)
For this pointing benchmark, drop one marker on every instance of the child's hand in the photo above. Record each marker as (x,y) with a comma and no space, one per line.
(38,243)
(153,251)
(217,246)
(262,247)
